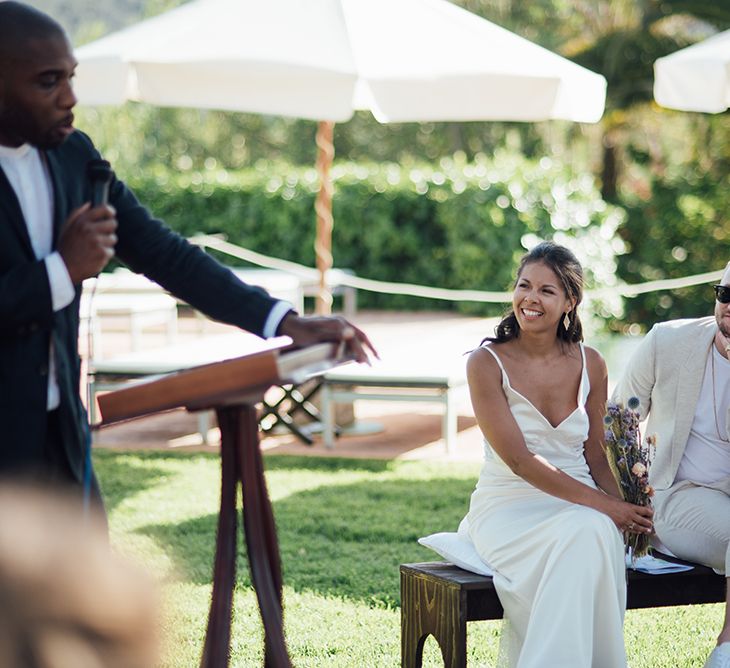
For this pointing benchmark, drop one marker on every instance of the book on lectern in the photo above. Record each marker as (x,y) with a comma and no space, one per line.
(238,380)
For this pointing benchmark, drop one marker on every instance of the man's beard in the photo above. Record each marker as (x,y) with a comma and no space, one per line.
(20,130)
(723,326)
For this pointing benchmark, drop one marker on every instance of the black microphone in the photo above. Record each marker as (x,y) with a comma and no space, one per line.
(100,176)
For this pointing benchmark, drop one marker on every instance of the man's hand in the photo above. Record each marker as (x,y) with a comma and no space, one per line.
(305,331)
(87,240)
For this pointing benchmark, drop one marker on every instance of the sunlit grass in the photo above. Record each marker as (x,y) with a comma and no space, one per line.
(344,527)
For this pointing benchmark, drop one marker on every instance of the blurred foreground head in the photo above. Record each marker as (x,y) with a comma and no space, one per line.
(66,601)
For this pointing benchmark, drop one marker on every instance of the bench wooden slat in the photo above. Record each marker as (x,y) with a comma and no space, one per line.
(439,598)
(700,585)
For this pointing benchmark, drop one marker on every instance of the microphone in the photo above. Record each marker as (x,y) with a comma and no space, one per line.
(100,176)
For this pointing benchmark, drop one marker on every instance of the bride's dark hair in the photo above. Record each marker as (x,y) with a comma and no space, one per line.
(568,270)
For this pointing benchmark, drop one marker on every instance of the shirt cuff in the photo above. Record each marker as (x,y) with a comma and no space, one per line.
(62,289)
(276,315)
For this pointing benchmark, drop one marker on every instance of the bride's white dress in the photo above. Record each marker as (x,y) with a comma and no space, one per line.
(559,567)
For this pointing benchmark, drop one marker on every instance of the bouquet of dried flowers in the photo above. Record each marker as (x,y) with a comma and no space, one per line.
(629,459)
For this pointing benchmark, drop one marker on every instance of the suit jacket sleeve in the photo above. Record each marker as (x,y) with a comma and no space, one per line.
(639,375)
(149,247)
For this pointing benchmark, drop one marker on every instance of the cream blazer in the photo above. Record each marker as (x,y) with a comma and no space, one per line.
(665,373)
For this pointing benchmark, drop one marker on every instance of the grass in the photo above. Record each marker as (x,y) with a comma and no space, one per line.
(344,527)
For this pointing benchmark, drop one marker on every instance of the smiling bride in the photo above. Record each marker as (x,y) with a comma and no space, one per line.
(546,513)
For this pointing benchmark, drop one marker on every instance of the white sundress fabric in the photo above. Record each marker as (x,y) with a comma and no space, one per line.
(559,566)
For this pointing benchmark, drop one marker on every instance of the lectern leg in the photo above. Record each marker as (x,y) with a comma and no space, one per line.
(241,461)
(261,542)
(218,635)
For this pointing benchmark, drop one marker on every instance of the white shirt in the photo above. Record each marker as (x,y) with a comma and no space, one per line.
(706,458)
(276,315)
(29,178)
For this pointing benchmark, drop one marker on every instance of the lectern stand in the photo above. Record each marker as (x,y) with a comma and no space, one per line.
(233,388)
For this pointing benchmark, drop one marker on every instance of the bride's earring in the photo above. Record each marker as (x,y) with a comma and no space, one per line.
(566,321)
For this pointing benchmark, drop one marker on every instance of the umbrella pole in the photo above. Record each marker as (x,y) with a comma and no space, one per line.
(323,209)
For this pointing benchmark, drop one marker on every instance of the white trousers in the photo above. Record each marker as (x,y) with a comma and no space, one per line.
(693,521)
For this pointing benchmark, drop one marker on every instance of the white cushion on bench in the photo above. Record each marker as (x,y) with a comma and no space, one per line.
(458,549)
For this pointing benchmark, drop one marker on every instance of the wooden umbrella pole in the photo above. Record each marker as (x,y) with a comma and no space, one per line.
(323,209)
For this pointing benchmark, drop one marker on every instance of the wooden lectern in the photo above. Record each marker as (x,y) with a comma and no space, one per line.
(233,388)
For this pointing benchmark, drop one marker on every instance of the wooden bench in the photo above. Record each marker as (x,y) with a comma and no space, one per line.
(438,599)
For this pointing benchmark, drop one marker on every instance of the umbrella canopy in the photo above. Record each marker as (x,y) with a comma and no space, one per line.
(696,78)
(404,60)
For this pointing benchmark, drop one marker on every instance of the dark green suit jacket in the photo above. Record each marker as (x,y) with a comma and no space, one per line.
(28,324)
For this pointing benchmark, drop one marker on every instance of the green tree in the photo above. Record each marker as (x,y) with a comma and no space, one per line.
(622,40)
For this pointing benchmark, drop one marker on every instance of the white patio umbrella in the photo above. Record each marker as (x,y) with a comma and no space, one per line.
(696,78)
(404,60)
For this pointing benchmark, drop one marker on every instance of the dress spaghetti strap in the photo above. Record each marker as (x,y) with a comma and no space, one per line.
(488,348)
(585,383)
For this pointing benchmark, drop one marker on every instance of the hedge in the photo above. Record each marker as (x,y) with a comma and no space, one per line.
(454,225)
(679,230)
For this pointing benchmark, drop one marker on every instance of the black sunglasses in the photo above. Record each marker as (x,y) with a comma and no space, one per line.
(722,293)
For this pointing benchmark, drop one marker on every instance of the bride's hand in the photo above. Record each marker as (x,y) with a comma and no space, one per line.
(630,518)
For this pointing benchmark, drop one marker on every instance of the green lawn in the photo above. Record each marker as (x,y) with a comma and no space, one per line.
(344,527)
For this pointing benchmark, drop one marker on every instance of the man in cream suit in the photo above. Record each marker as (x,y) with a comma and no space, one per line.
(681,375)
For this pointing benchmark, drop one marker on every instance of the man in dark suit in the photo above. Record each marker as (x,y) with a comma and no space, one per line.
(51,239)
